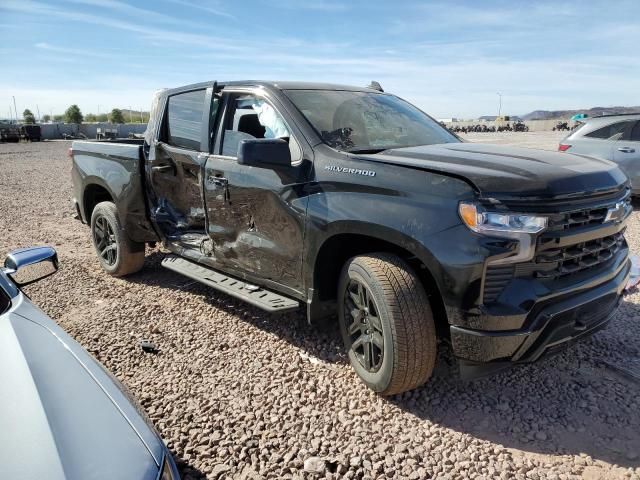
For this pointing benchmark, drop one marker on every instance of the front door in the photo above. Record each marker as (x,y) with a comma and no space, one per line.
(176,164)
(256,215)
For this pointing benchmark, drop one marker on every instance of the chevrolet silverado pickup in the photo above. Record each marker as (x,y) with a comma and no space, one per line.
(351,202)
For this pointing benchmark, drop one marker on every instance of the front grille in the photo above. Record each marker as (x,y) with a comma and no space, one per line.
(551,262)
(585,217)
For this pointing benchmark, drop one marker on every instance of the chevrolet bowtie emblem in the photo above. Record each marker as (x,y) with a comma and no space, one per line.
(615,213)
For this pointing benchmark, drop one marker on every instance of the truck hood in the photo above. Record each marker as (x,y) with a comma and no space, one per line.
(59,421)
(500,171)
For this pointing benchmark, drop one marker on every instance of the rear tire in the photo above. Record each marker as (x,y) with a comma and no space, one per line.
(118,255)
(386,323)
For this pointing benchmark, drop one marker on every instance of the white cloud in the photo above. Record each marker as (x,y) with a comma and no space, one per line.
(212,9)
(319,5)
(132,11)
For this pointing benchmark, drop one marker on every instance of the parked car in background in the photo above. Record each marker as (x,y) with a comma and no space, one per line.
(62,415)
(611,137)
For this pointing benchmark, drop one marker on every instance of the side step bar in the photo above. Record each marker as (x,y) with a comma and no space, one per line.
(257,296)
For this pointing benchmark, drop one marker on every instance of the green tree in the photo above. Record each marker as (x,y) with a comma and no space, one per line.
(73,115)
(90,117)
(28,116)
(46,118)
(103,117)
(116,116)
(58,118)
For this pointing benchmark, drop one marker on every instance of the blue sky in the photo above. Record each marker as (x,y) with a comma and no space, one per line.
(448,57)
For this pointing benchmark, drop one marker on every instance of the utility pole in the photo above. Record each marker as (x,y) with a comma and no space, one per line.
(499,103)
(15,109)
(38,109)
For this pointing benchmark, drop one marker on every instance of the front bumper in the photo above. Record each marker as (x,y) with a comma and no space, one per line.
(553,323)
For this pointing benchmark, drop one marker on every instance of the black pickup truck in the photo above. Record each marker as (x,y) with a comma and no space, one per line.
(352,202)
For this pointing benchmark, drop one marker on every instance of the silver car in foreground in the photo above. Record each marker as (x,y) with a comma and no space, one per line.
(612,137)
(62,416)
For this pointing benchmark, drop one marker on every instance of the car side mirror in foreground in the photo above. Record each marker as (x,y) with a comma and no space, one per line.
(264,153)
(28,265)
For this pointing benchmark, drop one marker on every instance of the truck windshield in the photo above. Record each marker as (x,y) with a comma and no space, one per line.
(356,121)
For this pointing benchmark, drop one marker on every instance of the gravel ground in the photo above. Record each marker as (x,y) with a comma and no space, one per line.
(544,140)
(237,393)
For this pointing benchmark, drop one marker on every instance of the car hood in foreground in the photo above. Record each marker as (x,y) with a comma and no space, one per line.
(61,417)
(504,171)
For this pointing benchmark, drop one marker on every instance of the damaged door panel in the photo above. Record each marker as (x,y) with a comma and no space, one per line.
(255,220)
(255,215)
(177,181)
(177,165)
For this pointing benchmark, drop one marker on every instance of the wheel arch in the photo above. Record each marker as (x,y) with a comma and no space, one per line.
(94,192)
(340,244)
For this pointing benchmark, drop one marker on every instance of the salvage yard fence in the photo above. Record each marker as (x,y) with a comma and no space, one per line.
(53,131)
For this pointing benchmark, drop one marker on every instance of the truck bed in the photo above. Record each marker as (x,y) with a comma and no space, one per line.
(112,170)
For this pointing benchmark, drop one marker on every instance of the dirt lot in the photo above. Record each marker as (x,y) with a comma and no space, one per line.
(237,393)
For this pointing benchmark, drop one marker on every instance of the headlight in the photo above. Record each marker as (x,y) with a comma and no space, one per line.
(481,221)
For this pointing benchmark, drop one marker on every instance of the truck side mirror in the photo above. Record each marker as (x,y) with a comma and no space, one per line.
(28,265)
(264,153)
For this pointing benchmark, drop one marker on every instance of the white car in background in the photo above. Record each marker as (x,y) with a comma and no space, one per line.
(611,137)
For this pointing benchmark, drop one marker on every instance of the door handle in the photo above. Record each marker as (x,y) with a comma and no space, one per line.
(220,181)
(162,168)
(626,149)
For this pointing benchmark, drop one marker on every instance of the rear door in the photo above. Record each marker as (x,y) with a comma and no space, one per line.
(256,215)
(626,153)
(176,162)
(600,142)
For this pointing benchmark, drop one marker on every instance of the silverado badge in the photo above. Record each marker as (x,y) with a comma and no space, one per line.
(356,171)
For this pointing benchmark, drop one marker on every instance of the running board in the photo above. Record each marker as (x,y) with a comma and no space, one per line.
(257,296)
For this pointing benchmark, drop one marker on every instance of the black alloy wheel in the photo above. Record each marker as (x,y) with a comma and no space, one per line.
(117,253)
(105,240)
(365,327)
(386,323)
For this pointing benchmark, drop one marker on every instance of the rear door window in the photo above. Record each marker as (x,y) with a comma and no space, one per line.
(184,125)
(635,133)
(613,131)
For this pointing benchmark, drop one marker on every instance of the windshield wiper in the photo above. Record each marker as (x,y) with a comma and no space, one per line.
(366,150)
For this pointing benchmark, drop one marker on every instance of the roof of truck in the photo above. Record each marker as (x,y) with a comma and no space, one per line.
(279,85)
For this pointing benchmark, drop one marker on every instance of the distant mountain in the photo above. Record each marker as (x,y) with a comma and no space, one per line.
(566,114)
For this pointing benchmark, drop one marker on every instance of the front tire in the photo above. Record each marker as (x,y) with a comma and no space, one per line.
(118,255)
(386,323)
